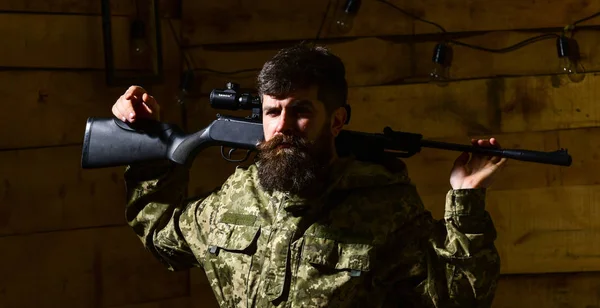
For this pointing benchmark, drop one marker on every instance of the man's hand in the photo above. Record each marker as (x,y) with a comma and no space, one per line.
(134,104)
(480,170)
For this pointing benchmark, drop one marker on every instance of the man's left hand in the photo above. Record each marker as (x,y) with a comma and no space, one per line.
(476,170)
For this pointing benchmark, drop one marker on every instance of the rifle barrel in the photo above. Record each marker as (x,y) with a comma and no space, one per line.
(560,157)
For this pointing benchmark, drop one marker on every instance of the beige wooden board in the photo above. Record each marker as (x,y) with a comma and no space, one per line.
(73,41)
(477,107)
(118,7)
(548,291)
(47,108)
(551,229)
(373,61)
(46,189)
(368,61)
(103,267)
(270,20)
(180,302)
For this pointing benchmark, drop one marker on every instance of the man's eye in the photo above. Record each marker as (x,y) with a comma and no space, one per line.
(303,111)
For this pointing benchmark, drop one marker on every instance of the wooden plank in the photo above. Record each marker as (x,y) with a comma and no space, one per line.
(118,8)
(478,107)
(121,7)
(542,230)
(72,41)
(368,61)
(50,108)
(181,302)
(46,189)
(373,61)
(85,268)
(230,21)
(584,148)
(548,291)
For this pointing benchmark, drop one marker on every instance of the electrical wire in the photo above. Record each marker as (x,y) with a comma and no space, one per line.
(585,19)
(492,50)
(514,47)
(413,16)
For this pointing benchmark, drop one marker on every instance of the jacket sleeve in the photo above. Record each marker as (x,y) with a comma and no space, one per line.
(452,262)
(159,214)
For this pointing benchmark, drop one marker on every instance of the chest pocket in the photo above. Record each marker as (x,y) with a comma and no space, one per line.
(229,237)
(329,254)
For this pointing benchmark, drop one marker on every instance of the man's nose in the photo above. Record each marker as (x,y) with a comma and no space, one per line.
(286,124)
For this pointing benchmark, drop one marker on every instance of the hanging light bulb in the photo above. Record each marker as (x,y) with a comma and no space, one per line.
(440,74)
(345,20)
(567,64)
(137,35)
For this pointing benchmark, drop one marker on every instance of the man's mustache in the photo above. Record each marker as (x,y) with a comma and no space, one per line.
(288,140)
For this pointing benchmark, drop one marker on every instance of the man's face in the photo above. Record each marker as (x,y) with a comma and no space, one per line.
(301,114)
(298,144)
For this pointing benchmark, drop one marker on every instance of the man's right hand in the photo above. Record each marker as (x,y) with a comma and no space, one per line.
(134,104)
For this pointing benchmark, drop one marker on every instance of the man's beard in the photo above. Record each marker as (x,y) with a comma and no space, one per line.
(299,168)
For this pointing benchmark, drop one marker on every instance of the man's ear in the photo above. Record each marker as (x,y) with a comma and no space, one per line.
(338,119)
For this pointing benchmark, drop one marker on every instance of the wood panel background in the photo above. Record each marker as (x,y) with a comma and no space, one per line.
(545,215)
(63,227)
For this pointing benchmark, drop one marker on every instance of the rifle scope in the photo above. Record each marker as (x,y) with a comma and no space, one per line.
(231,99)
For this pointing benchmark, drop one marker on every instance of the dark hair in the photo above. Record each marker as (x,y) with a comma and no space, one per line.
(302,66)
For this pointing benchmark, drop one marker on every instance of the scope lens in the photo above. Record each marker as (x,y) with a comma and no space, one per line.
(220,99)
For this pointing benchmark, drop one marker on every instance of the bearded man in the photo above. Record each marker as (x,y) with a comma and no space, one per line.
(304,227)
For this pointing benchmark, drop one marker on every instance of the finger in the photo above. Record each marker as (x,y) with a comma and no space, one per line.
(117,113)
(151,104)
(494,142)
(134,92)
(483,143)
(126,109)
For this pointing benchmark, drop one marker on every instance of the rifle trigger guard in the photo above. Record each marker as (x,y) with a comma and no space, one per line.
(228,158)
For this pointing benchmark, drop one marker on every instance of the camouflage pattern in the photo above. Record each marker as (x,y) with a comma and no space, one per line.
(367,241)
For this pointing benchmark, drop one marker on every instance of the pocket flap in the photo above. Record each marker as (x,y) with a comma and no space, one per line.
(232,237)
(338,255)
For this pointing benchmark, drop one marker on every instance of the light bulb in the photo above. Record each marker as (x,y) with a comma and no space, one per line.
(572,68)
(137,35)
(345,20)
(440,74)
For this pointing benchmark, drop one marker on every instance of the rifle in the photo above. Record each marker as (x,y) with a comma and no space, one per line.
(110,142)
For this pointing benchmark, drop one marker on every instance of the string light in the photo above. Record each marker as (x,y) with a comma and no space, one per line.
(441,59)
(568,63)
(439,73)
(345,20)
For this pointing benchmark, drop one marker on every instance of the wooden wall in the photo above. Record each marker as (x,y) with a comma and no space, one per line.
(545,215)
(62,229)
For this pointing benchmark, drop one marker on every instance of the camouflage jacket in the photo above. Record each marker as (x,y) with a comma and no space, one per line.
(367,242)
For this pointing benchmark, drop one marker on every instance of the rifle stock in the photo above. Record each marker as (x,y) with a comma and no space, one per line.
(110,142)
